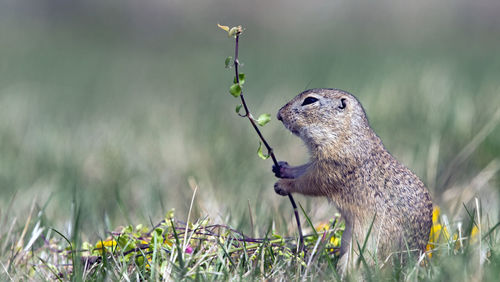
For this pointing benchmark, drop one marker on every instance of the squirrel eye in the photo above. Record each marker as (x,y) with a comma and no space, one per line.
(342,103)
(309,100)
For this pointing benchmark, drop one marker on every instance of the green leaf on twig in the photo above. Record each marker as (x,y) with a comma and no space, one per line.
(223,27)
(259,152)
(263,119)
(238,108)
(227,62)
(242,79)
(235,90)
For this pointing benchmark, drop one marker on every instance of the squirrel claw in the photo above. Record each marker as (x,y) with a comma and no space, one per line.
(280,170)
(279,190)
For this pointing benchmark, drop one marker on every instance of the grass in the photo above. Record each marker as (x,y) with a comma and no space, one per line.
(201,250)
(104,125)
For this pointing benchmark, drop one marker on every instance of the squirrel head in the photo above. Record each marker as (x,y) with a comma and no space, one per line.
(331,122)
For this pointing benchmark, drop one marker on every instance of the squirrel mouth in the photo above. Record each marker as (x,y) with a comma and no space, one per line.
(287,126)
(292,130)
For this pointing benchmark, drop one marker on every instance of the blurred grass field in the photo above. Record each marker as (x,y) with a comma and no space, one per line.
(121,109)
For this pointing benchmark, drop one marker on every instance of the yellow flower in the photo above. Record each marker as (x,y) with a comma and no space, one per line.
(324,226)
(438,231)
(107,243)
(440,234)
(335,241)
(435,214)
(473,234)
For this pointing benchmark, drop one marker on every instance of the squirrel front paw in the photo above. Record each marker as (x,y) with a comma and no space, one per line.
(280,189)
(282,170)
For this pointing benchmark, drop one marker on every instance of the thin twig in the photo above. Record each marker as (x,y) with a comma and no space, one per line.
(264,141)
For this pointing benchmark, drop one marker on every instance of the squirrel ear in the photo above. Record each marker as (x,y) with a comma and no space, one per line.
(343,103)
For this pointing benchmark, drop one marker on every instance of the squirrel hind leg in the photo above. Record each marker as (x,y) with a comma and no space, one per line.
(346,261)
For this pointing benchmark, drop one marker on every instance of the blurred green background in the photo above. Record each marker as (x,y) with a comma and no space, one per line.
(122,107)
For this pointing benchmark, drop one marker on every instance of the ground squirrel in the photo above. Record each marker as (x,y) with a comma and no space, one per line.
(350,166)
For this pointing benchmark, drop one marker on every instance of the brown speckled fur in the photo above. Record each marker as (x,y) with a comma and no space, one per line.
(350,166)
